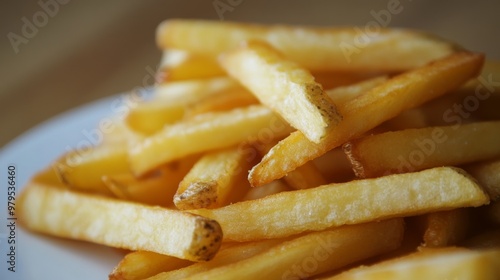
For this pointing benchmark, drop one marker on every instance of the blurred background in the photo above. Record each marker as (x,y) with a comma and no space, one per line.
(59,54)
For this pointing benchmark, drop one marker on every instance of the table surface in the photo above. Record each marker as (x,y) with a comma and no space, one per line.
(68,53)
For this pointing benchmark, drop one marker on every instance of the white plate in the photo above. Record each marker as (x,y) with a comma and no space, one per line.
(44,257)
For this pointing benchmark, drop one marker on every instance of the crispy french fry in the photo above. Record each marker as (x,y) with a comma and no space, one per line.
(268,189)
(231,254)
(284,87)
(118,224)
(206,132)
(177,65)
(361,114)
(333,79)
(443,263)
(488,175)
(142,264)
(217,179)
(446,228)
(331,205)
(417,149)
(83,169)
(171,100)
(238,97)
(304,177)
(315,253)
(343,94)
(157,188)
(317,49)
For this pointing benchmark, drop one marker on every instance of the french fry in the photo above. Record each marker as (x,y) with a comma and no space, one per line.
(157,188)
(317,49)
(417,149)
(272,188)
(232,99)
(139,265)
(293,212)
(284,87)
(361,114)
(178,65)
(217,179)
(446,228)
(206,132)
(82,169)
(118,224)
(314,253)
(343,94)
(443,263)
(488,175)
(227,255)
(334,79)
(171,100)
(304,177)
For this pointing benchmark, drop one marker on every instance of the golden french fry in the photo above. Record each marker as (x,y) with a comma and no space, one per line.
(177,65)
(333,79)
(314,253)
(477,100)
(225,256)
(343,94)
(399,195)
(117,223)
(157,188)
(488,175)
(284,87)
(318,49)
(142,264)
(82,169)
(274,187)
(443,263)
(417,149)
(446,228)
(304,177)
(361,114)
(232,99)
(171,100)
(206,132)
(217,179)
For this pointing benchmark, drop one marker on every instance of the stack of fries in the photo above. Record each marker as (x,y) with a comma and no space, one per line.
(268,152)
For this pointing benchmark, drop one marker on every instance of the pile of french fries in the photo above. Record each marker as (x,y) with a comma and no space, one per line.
(268,152)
